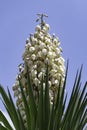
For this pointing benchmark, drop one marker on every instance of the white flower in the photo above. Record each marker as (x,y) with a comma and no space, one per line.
(16,93)
(45,29)
(36,34)
(17,83)
(57,50)
(27,46)
(38,28)
(33,73)
(46,60)
(47,41)
(33,56)
(53,81)
(44,86)
(24,118)
(23,113)
(39,54)
(44,51)
(48,36)
(56,59)
(50,83)
(35,67)
(36,81)
(15,87)
(20,96)
(19,100)
(34,41)
(42,38)
(62,69)
(56,82)
(36,47)
(53,71)
(55,41)
(39,36)
(40,75)
(31,49)
(41,45)
(55,66)
(50,54)
(23,80)
(47,26)
(61,60)
(51,94)
(43,70)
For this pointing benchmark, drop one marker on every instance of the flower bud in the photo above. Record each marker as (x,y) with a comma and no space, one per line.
(38,28)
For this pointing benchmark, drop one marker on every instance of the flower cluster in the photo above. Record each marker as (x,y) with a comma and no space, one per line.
(41,48)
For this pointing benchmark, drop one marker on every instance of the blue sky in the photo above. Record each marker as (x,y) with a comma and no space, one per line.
(67,19)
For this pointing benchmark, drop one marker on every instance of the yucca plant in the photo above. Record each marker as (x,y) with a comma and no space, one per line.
(40,89)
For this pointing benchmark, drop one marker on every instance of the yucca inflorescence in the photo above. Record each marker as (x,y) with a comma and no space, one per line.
(41,49)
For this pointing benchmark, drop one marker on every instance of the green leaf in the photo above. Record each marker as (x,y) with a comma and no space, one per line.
(27,109)
(45,116)
(51,119)
(60,104)
(40,120)
(76,106)
(32,103)
(83,121)
(8,103)
(15,118)
(5,121)
(4,96)
(47,102)
(3,127)
(80,108)
(21,121)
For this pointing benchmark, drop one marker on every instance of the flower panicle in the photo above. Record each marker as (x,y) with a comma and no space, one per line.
(40,48)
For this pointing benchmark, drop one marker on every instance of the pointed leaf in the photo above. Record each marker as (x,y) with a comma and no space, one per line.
(2,127)
(9,107)
(47,102)
(27,109)
(40,109)
(32,103)
(5,121)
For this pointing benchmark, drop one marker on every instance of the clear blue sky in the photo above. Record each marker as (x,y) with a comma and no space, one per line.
(68,20)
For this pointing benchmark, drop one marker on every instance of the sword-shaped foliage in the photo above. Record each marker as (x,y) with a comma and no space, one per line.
(46,116)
